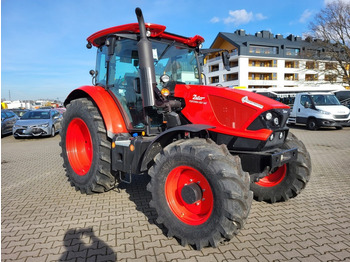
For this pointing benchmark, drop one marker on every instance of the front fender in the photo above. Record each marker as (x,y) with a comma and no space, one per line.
(166,138)
(108,108)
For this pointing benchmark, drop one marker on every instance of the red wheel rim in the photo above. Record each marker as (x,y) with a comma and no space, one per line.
(79,146)
(275,178)
(191,214)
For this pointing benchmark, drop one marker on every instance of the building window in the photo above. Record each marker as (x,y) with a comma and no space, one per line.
(263,63)
(292,51)
(231,77)
(311,65)
(291,77)
(330,66)
(291,64)
(311,77)
(255,49)
(214,68)
(330,78)
(262,76)
(233,64)
(214,79)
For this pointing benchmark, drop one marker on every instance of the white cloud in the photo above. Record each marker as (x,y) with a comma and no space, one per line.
(215,20)
(239,17)
(305,16)
(260,17)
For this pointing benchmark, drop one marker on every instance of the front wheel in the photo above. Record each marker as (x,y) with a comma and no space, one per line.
(53,131)
(312,124)
(288,180)
(86,150)
(200,192)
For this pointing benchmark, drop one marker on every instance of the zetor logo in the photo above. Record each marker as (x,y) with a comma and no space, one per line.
(198,98)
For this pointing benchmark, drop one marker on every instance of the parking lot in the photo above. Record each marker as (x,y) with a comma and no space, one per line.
(43,218)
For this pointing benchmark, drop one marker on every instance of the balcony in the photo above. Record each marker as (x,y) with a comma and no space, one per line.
(291,77)
(311,77)
(263,63)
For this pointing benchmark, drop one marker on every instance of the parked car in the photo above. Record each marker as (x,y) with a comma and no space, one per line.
(317,110)
(41,122)
(61,109)
(343,97)
(19,112)
(8,119)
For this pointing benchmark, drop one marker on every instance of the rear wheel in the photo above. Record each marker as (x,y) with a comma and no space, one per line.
(288,180)
(200,192)
(85,148)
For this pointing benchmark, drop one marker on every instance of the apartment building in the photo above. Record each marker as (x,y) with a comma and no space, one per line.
(265,60)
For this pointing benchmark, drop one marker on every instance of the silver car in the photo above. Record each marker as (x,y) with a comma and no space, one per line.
(42,122)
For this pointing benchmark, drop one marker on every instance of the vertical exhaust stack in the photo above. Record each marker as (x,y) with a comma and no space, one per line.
(147,71)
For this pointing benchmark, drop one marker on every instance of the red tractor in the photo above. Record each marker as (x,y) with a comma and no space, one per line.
(208,150)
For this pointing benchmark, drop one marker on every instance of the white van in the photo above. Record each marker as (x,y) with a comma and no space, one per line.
(319,110)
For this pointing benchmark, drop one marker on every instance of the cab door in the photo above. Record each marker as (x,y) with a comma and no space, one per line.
(303,110)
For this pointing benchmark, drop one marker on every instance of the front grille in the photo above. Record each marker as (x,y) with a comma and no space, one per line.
(341,116)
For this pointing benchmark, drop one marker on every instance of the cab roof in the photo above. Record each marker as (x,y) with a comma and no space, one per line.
(97,39)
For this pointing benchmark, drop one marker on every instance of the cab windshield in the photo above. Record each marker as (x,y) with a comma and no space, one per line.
(178,62)
(170,58)
(325,100)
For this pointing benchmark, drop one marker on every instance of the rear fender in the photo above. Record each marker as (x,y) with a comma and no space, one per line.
(108,108)
(166,138)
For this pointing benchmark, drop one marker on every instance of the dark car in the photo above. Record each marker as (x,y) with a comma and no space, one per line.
(8,119)
(41,122)
(343,97)
(20,112)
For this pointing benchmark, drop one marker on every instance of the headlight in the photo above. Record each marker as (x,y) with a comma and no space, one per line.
(268,116)
(324,112)
(44,125)
(17,126)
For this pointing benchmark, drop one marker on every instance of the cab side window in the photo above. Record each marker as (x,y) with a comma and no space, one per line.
(304,99)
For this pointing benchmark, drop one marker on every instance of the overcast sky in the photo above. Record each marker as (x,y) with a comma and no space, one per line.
(43,53)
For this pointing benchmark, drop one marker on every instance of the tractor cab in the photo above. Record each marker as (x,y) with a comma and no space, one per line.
(175,61)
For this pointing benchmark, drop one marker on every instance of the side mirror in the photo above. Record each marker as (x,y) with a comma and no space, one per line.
(137,85)
(226,60)
(307,105)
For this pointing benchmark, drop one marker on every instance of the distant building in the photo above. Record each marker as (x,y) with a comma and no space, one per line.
(17,104)
(269,61)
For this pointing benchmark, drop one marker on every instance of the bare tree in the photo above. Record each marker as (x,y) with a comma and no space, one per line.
(331,26)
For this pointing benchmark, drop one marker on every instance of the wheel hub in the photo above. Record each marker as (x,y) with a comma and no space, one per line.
(191,193)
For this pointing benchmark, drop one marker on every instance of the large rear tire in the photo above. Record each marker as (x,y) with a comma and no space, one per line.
(86,150)
(200,192)
(288,180)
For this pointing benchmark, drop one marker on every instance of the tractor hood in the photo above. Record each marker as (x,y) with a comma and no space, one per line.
(231,111)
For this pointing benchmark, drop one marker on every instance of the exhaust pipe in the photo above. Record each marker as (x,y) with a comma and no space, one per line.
(147,71)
